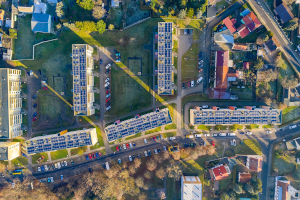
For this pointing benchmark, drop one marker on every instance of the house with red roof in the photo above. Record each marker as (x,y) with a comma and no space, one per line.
(219,172)
(244,177)
(254,163)
(230,24)
(250,23)
(243,31)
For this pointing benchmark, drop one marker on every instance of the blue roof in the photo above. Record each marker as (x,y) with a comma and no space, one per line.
(245,12)
(40,22)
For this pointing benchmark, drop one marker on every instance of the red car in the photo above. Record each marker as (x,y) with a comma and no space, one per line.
(127,145)
(90,155)
(189,84)
(107,100)
(107,92)
(100,154)
(213,143)
(154,138)
(117,148)
(94,156)
(34,119)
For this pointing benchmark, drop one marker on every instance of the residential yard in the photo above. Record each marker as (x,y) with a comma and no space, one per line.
(251,38)
(290,114)
(36,156)
(78,151)
(20,161)
(55,155)
(115,17)
(221,5)
(223,184)
(23,45)
(189,63)
(249,147)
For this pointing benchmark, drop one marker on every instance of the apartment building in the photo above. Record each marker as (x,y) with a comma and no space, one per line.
(83,80)
(11,103)
(234,115)
(165,76)
(62,140)
(9,150)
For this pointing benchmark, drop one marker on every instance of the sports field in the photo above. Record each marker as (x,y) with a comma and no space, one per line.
(135,65)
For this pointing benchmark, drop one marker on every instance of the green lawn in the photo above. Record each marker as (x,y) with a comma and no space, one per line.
(100,142)
(175,62)
(221,5)
(235,127)
(153,131)
(20,161)
(170,126)
(203,127)
(252,126)
(193,98)
(170,134)
(189,65)
(223,184)
(36,156)
(290,114)
(23,45)
(268,126)
(220,127)
(249,146)
(55,155)
(133,136)
(78,151)
(284,165)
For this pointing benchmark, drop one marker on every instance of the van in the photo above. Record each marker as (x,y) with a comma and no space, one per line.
(293,126)
(231,134)
(198,135)
(222,134)
(107,166)
(192,83)
(108,66)
(189,136)
(199,79)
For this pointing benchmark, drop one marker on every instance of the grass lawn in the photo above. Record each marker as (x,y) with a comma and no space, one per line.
(189,66)
(203,127)
(20,161)
(251,38)
(100,142)
(153,131)
(39,37)
(175,62)
(171,134)
(23,45)
(221,4)
(290,114)
(223,184)
(268,126)
(78,151)
(249,146)
(252,126)
(133,136)
(170,126)
(220,127)
(284,165)
(36,156)
(55,155)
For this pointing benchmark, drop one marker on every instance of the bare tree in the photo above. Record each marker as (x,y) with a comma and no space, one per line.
(282,106)
(176,156)
(166,155)
(174,171)
(148,175)
(112,172)
(98,12)
(160,173)
(151,165)
(287,82)
(139,181)
(132,169)
(137,163)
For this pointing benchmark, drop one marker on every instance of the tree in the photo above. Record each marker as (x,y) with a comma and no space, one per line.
(87,26)
(101,26)
(98,12)
(132,169)
(148,175)
(2,167)
(232,195)
(268,101)
(238,189)
(291,25)
(160,173)
(174,171)
(264,37)
(139,181)
(166,155)
(61,9)
(183,3)
(13,33)
(258,64)
(190,13)
(282,106)
(287,82)
(225,196)
(137,163)
(86,4)
(151,165)
(182,13)
(199,14)
(249,188)
(111,27)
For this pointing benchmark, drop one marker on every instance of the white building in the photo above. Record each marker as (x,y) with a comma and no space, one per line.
(9,150)
(191,188)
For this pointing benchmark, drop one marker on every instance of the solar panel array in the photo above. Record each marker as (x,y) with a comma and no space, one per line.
(56,142)
(137,125)
(80,77)
(164,58)
(239,116)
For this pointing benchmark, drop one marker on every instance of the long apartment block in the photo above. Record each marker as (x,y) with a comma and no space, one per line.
(11,103)
(9,150)
(138,124)
(234,115)
(83,80)
(165,77)
(62,140)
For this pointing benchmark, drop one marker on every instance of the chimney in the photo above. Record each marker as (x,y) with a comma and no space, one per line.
(232,107)
(249,108)
(215,108)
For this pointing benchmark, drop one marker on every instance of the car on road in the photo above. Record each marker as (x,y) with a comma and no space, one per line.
(130,158)
(249,133)
(106,80)
(127,145)
(189,84)
(133,157)
(234,142)
(108,91)
(39,169)
(49,180)
(204,144)
(65,162)
(35,105)
(119,160)
(149,152)
(124,146)
(155,151)
(268,132)
(90,156)
(61,177)
(133,144)
(145,140)
(172,138)
(231,134)
(205,106)
(72,162)
(62,164)
(165,148)
(292,126)
(213,143)
(183,85)
(34,114)
(34,96)
(100,61)
(117,148)
(242,133)
(145,152)
(87,157)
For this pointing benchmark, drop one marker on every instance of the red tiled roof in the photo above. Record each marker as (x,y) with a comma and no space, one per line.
(244,177)
(255,164)
(233,21)
(233,74)
(228,23)
(218,93)
(247,19)
(220,173)
(239,46)
(222,58)
(284,187)
(243,31)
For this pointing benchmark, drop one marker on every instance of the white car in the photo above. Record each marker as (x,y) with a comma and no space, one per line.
(108,66)
(198,135)
(130,158)
(65,162)
(130,145)
(172,138)
(55,165)
(106,84)
(124,146)
(234,142)
(46,167)
(204,143)
(145,152)
(109,107)
(192,83)
(207,135)
(161,137)
(205,106)
(58,165)
(214,135)
(39,169)
(249,133)
(293,126)
(268,132)
(155,151)
(52,180)
(165,148)
(106,80)
(145,140)
(198,81)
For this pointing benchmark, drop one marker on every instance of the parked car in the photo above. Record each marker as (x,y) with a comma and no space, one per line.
(34,119)
(39,169)
(130,158)
(155,151)
(130,145)
(145,140)
(108,95)
(53,167)
(133,144)
(87,157)
(183,85)
(106,84)
(65,162)
(189,84)
(145,152)
(192,83)
(46,167)
(172,138)
(61,177)
(97,155)
(106,80)
(35,105)
(165,148)
(100,61)
(117,148)
(42,167)
(107,100)
(124,146)
(158,150)
(249,133)
(127,145)
(109,107)
(213,143)
(108,66)
(234,142)
(35,114)
(119,160)
(94,156)
(107,71)
(90,156)
(268,132)
(149,152)
(72,162)
(138,155)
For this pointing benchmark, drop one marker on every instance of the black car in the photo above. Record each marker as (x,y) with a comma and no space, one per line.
(53,167)
(40,72)
(182,85)
(34,96)
(194,144)
(107,71)
(107,104)
(138,155)
(107,88)
(271,197)
(90,169)
(158,150)
(133,157)
(149,153)
(104,166)
(189,144)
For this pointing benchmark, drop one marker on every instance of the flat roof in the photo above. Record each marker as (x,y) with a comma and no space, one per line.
(165,73)
(137,125)
(238,116)
(59,141)
(191,188)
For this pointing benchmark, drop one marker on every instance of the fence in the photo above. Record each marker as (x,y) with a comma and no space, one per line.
(137,23)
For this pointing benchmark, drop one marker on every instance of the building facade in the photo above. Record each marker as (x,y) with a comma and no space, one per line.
(11,104)
(165,77)
(233,115)
(83,80)
(9,150)
(62,140)
(191,188)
